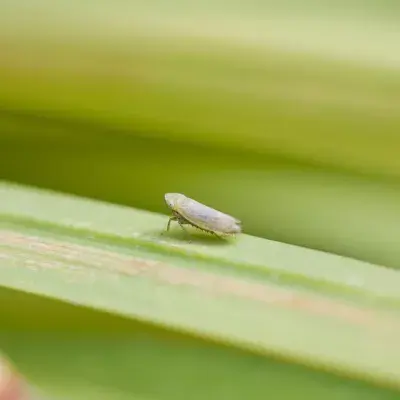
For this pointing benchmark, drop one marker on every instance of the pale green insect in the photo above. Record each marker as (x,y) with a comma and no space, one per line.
(188,211)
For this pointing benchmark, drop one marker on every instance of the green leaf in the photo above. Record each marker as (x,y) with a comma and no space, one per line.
(99,304)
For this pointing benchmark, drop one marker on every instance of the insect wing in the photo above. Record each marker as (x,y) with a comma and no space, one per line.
(205,217)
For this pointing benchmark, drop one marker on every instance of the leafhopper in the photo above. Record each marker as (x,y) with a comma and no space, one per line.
(187,211)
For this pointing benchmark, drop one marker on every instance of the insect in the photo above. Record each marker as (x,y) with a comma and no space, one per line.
(186,211)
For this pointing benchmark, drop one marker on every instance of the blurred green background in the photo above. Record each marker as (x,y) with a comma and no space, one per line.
(283,113)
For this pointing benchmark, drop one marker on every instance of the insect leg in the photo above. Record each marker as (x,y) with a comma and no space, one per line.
(185,230)
(222,236)
(180,222)
(171,218)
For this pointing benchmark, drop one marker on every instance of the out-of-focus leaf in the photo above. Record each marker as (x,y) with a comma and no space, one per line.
(315,85)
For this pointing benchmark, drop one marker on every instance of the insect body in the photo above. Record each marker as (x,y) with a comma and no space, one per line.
(188,211)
